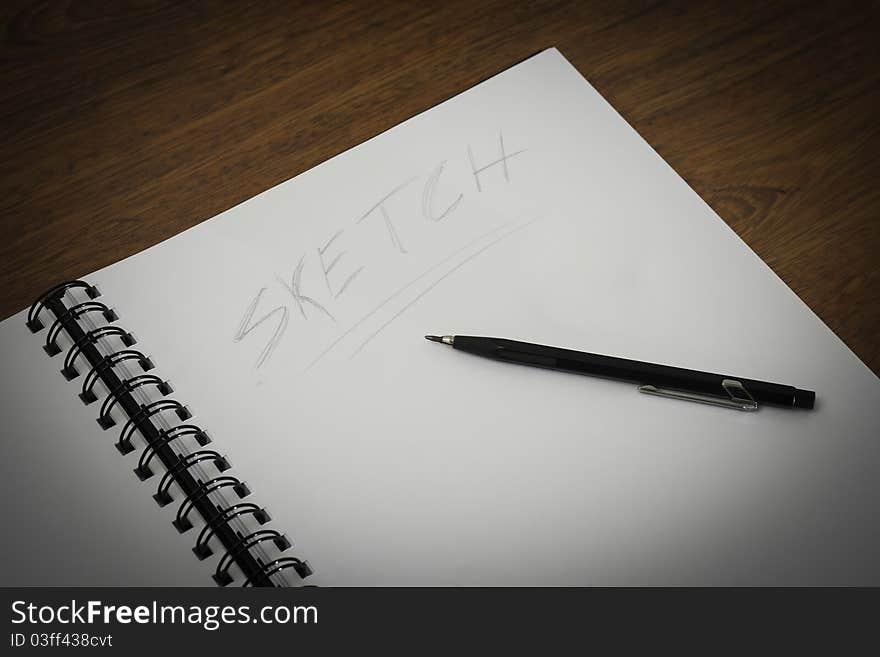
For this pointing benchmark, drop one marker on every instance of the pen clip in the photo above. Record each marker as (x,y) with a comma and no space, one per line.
(738,397)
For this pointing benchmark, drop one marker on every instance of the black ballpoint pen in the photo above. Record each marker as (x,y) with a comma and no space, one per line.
(663,380)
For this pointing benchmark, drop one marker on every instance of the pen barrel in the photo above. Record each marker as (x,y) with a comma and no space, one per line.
(622,369)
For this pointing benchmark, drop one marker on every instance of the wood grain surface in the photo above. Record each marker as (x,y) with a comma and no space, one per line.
(124,123)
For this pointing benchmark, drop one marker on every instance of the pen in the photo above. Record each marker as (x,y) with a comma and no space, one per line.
(661,380)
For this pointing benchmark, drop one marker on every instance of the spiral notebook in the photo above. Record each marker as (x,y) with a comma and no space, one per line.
(252,401)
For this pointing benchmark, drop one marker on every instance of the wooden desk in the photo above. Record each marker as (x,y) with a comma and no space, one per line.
(122,126)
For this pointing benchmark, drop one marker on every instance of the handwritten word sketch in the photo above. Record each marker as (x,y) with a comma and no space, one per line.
(406,214)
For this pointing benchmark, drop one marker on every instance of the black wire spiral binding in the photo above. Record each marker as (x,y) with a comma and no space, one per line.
(106,421)
(143,467)
(75,311)
(33,321)
(124,443)
(282,543)
(91,337)
(178,466)
(87,394)
(201,549)
(182,523)
(162,495)
(302,568)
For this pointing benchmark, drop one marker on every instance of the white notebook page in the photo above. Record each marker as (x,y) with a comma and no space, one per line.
(524,208)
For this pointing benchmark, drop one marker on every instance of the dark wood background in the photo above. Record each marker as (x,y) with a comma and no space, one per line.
(124,123)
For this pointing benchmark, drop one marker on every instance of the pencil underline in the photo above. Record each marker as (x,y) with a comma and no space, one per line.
(399,291)
(437,282)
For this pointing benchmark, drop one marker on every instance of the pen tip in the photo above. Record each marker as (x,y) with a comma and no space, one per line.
(434,338)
